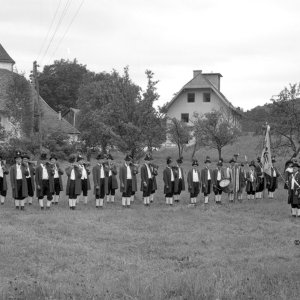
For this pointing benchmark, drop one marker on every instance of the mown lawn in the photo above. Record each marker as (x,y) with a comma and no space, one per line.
(234,251)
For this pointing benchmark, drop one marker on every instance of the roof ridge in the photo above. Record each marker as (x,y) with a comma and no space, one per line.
(4,56)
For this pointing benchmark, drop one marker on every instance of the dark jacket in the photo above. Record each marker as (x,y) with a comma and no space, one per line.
(13,180)
(78,175)
(190,183)
(39,179)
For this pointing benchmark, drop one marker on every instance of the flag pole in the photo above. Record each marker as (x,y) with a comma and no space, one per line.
(264,145)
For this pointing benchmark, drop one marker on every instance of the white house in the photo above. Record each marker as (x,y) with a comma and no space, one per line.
(201,95)
(6,62)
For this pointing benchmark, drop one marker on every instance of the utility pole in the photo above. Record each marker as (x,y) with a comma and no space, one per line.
(38,102)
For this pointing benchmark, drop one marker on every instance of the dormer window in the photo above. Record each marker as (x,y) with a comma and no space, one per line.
(190,97)
(206,97)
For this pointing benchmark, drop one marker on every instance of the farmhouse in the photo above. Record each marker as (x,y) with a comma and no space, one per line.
(51,120)
(201,95)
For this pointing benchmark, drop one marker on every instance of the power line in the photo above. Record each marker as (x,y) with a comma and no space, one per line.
(67,30)
(46,37)
(57,27)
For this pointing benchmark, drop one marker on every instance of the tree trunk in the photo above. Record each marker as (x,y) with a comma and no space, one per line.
(220,153)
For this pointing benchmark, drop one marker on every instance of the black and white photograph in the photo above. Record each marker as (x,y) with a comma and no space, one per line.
(149,149)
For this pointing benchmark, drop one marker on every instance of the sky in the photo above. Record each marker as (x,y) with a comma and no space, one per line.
(254,44)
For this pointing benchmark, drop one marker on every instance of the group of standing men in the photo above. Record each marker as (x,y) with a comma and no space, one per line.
(45,179)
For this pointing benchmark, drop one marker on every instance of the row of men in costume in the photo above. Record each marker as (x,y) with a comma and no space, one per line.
(46,178)
(209,179)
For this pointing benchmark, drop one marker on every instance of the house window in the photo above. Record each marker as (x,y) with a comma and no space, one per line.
(185,118)
(191,97)
(206,97)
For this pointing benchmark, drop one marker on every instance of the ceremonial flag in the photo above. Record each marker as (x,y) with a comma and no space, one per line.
(266,154)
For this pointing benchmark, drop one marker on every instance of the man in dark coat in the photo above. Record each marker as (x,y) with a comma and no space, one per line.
(251,181)
(85,178)
(134,171)
(112,179)
(169,179)
(44,182)
(294,190)
(260,179)
(179,184)
(218,174)
(125,176)
(271,180)
(100,180)
(30,177)
(3,181)
(193,181)
(73,189)
(146,179)
(18,174)
(57,172)
(206,176)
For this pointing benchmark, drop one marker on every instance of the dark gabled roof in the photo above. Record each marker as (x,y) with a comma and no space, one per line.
(4,57)
(5,80)
(200,81)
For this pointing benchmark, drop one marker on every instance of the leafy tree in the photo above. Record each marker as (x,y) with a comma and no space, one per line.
(284,120)
(60,82)
(179,133)
(20,104)
(214,130)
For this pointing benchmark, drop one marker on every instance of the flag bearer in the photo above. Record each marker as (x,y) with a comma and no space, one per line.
(169,179)
(3,181)
(294,190)
(18,174)
(241,181)
(193,181)
(206,176)
(271,179)
(125,176)
(260,179)
(251,179)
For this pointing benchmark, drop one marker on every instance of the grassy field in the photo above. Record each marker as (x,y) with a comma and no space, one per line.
(234,251)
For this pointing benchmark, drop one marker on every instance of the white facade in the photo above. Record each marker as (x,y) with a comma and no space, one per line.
(6,66)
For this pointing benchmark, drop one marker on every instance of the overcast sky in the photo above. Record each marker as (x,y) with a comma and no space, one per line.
(254,44)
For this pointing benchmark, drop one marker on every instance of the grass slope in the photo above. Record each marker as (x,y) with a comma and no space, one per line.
(234,251)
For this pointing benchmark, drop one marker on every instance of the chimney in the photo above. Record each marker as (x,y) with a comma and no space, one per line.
(196,73)
(59,115)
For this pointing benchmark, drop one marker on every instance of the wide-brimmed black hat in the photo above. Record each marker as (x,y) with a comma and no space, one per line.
(169,160)
(52,156)
(148,156)
(252,164)
(18,154)
(109,156)
(180,160)
(273,159)
(195,162)
(232,160)
(207,160)
(296,165)
(72,158)
(127,157)
(43,156)
(100,156)
(219,164)
(79,157)
(25,155)
(258,159)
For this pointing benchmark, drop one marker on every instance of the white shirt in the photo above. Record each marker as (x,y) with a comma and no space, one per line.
(45,175)
(219,175)
(274,173)
(28,176)
(109,173)
(252,175)
(19,172)
(179,173)
(1,170)
(72,177)
(195,176)
(148,170)
(55,172)
(101,171)
(172,174)
(293,181)
(128,176)
(84,173)
(208,175)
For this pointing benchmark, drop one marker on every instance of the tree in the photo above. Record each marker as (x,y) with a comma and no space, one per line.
(60,82)
(179,133)
(214,130)
(20,104)
(284,120)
